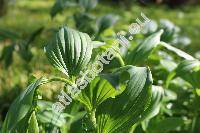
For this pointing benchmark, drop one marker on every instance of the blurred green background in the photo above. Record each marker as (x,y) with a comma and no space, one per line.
(21,18)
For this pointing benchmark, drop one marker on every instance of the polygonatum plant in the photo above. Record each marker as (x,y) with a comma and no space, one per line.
(115,101)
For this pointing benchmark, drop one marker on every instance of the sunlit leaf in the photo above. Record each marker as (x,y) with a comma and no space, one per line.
(33,124)
(170,30)
(47,116)
(177,51)
(96,92)
(189,70)
(120,113)
(168,65)
(154,106)
(142,51)
(69,51)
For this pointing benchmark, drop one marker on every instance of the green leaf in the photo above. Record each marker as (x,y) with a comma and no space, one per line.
(33,36)
(116,62)
(96,92)
(24,52)
(177,51)
(21,110)
(45,114)
(69,51)
(118,77)
(120,113)
(84,22)
(7,55)
(7,34)
(59,6)
(165,125)
(170,30)
(169,65)
(154,106)
(143,50)
(195,125)
(88,4)
(106,21)
(189,70)
(33,124)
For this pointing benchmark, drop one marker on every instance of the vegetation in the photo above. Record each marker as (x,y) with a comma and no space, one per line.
(150,86)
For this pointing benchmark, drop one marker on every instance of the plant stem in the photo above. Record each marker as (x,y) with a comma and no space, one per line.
(121,61)
(67,81)
(93,117)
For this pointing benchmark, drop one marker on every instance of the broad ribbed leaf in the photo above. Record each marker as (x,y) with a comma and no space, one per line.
(33,124)
(154,106)
(189,70)
(120,113)
(142,51)
(96,92)
(20,110)
(69,51)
